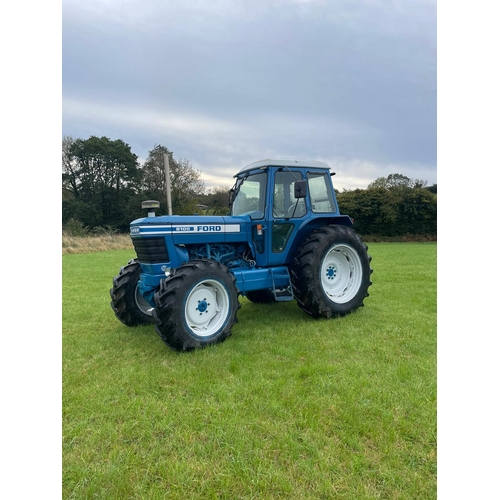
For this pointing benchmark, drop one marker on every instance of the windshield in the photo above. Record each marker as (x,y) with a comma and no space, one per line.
(250,196)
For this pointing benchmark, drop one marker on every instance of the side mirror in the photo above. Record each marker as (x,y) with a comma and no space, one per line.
(231,196)
(300,189)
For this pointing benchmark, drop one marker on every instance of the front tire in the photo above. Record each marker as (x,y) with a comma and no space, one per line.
(331,273)
(196,306)
(129,306)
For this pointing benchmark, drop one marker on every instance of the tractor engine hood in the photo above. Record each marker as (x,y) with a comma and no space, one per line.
(193,228)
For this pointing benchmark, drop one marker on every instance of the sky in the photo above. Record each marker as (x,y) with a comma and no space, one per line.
(224,83)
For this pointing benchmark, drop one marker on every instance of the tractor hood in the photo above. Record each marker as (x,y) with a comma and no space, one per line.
(193,228)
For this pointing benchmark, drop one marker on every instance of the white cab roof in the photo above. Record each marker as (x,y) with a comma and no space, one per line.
(286,162)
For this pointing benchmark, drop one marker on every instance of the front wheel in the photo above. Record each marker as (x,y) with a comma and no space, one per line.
(196,306)
(331,273)
(130,307)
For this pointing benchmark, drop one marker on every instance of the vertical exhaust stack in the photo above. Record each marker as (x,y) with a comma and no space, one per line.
(167,183)
(150,206)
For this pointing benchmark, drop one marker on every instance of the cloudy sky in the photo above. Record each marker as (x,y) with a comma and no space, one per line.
(224,83)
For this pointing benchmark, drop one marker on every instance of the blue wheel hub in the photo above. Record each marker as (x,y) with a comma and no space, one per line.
(331,272)
(203,306)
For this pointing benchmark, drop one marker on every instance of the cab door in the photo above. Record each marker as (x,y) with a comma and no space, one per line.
(286,215)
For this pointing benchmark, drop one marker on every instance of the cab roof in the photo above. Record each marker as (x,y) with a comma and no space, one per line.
(285,162)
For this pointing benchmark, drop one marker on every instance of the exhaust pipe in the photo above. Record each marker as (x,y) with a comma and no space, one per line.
(167,182)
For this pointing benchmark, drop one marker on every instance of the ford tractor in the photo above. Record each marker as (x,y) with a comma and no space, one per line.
(283,239)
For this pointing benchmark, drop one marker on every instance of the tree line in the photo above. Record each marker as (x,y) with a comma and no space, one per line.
(392,206)
(103,185)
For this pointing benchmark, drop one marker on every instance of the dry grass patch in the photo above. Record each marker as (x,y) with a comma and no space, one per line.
(86,244)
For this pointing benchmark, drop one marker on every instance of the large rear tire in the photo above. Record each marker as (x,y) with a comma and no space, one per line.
(196,306)
(130,307)
(331,273)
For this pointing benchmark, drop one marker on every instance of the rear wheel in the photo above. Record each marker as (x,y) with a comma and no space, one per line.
(196,306)
(130,307)
(331,273)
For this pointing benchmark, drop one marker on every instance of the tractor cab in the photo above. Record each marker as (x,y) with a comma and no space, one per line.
(285,199)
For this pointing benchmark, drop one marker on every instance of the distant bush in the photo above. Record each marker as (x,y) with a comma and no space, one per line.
(391,212)
(74,227)
(104,231)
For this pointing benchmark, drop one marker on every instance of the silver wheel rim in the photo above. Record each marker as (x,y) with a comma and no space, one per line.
(143,305)
(207,308)
(341,273)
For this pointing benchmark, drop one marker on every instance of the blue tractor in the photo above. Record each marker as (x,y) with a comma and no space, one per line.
(284,239)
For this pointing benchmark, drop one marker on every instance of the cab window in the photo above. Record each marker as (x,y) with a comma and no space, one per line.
(284,202)
(251,197)
(320,192)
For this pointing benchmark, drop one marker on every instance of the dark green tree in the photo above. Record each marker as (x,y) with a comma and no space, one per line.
(99,176)
(393,212)
(397,181)
(217,200)
(185,181)
(371,210)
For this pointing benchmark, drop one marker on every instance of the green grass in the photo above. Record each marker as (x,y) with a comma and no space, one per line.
(288,407)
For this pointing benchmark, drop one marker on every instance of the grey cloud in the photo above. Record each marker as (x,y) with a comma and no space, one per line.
(352,80)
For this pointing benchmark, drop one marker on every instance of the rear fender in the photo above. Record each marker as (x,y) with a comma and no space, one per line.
(307,227)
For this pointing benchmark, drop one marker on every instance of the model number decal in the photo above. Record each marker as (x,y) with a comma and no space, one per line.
(227,228)
(198,229)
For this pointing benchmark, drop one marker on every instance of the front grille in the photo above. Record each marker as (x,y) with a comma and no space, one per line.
(151,250)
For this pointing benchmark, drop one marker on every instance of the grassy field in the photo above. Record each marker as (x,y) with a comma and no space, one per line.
(288,407)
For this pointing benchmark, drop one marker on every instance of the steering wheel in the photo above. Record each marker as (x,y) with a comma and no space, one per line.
(277,212)
(296,212)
